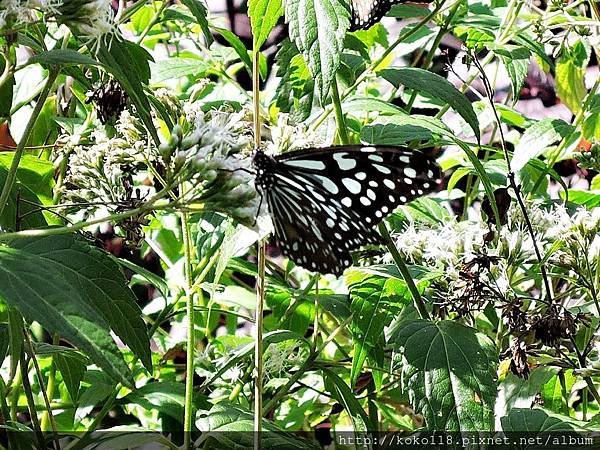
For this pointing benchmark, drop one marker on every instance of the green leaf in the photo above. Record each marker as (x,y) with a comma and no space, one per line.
(41,293)
(125,437)
(516,61)
(400,129)
(449,371)
(539,420)
(231,427)
(264,15)
(536,138)
(295,92)
(237,45)
(62,57)
(570,76)
(174,68)
(589,199)
(435,86)
(375,301)
(318,28)
(200,12)
(99,282)
(343,394)
(552,392)
(165,397)
(282,301)
(72,370)
(591,127)
(515,392)
(370,104)
(34,182)
(4,340)
(6,91)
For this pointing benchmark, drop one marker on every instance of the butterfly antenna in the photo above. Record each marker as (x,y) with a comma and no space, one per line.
(240,169)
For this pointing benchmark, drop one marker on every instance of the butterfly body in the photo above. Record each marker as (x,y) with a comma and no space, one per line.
(325,203)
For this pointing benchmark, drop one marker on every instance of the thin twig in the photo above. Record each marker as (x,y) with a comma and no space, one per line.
(511,177)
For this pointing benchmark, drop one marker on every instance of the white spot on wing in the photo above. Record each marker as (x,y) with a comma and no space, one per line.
(344,164)
(306,164)
(352,185)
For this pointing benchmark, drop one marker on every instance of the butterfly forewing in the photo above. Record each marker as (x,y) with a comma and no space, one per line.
(366,13)
(325,203)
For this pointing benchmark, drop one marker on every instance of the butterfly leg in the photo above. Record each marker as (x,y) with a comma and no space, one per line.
(258,209)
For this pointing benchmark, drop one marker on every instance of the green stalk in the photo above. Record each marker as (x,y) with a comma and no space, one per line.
(417,299)
(191,335)
(12,173)
(339,114)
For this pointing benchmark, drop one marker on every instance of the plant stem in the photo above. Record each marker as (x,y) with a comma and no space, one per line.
(35,423)
(260,277)
(191,335)
(417,299)
(339,114)
(12,173)
(48,412)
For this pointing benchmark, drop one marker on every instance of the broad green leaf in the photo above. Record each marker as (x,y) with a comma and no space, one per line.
(435,86)
(230,426)
(72,370)
(62,57)
(237,45)
(174,68)
(539,420)
(318,28)
(537,138)
(40,292)
(516,61)
(570,76)
(375,301)
(400,129)
(100,283)
(589,199)
(449,371)
(34,182)
(295,92)
(591,127)
(343,394)
(165,397)
(552,392)
(264,15)
(200,13)
(515,392)
(299,312)
(370,104)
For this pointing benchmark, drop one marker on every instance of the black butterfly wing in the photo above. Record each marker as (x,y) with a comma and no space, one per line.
(326,202)
(366,13)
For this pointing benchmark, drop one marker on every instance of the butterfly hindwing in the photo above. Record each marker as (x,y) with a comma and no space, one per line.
(326,202)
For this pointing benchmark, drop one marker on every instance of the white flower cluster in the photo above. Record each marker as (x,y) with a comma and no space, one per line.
(89,19)
(105,170)
(209,155)
(442,247)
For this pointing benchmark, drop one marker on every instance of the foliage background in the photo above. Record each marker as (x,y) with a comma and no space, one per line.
(128,262)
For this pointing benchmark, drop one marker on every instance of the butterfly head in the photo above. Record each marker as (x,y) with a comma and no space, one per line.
(263,165)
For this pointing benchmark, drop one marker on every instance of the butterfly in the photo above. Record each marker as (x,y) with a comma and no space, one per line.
(366,13)
(324,203)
